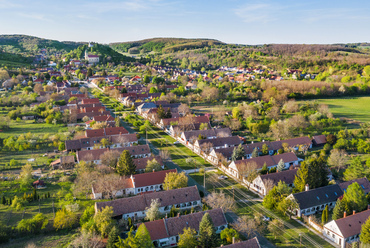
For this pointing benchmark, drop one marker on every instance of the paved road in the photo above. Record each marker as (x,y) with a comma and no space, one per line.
(231,216)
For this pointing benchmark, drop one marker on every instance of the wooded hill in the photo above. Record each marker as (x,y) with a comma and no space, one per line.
(31,45)
(165,45)
(105,53)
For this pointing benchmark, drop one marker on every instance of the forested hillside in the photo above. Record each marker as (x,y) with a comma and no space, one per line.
(32,45)
(165,45)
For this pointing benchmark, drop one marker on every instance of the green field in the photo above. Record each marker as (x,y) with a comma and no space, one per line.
(356,108)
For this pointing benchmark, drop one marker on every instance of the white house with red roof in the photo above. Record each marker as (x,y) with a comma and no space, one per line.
(138,184)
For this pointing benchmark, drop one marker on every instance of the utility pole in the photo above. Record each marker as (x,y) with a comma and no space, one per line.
(300,239)
(146,134)
(233,194)
(204,180)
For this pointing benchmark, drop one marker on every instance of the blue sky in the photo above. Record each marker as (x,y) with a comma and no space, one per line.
(231,21)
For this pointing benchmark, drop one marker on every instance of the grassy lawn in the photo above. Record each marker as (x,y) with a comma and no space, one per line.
(289,236)
(179,153)
(22,127)
(356,108)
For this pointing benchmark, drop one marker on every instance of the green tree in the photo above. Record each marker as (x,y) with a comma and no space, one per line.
(153,90)
(161,113)
(33,225)
(152,165)
(103,221)
(89,72)
(356,170)
(87,214)
(147,79)
(325,215)
(17,203)
(61,146)
(301,178)
(113,238)
(264,169)
(207,234)
(142,237)
(26,176)
(228,234)
(126,165)
(265,149)
(174,180)
(339,210)
(318,172)
(366,71)
(365,229)
(188,238)
(64,219)
(238,153)
(355,197)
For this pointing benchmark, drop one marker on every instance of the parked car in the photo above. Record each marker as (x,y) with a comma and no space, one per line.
(176,142)
(222,177)
(265,218)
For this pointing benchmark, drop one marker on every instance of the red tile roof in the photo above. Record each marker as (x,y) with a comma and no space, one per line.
(151,178)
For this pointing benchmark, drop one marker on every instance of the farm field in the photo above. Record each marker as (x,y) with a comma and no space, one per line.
(356,108)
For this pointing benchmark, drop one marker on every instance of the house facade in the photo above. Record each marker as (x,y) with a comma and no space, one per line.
(347,229)
(236,167)
(166,232)
(263,183)
(136,207)
(137,184)
(315,200)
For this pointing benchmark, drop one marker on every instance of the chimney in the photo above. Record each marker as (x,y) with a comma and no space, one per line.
(166,215)
(344,214)
(233,240)
(306,187)
(153,170)
(242,158)
(354,212)
(178,215)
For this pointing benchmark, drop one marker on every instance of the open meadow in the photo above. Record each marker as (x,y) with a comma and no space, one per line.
(356,108)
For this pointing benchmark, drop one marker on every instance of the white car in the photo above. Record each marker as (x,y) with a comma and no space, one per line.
(176,142)
(265,218)
(222,177)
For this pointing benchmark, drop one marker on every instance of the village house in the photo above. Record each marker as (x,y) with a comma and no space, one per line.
(188,137)
(111,122)
(136,184)
(92,59)
(89,133)
(363,182)
(319,140)
(188,121)
(135,207)
(140,151)
(346,230)
(264,183)
(166,232)
(206,145)
(236,168)
(315,200)
(64,162)
(115,141)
